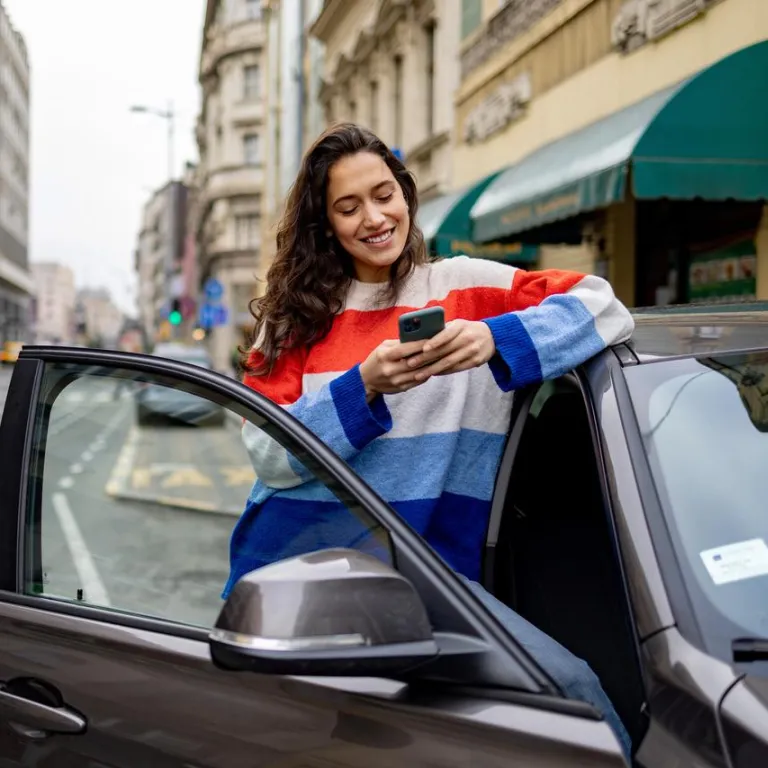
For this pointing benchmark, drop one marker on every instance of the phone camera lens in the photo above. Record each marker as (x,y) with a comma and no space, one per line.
(416,323)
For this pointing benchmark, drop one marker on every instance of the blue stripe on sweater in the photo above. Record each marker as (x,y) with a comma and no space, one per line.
(339,413)
(361,422)
(280,528)
(459,462)
(543,342)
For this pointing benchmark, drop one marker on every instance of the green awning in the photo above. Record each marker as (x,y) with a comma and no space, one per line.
(445,220)
(702,138)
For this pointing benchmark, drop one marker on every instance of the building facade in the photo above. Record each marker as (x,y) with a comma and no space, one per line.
(294,115)
(16,286)
(99,320)
(230,136)
(55,298)
(159,259)
(391,65)
(621,137)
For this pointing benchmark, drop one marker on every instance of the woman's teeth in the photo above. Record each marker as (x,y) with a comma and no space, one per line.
(379,238)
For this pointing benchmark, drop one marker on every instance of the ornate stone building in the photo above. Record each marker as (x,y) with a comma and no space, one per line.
(391,65)
(230,141)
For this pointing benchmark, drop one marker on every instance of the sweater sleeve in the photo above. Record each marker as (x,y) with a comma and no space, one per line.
(555,321)
(338,413)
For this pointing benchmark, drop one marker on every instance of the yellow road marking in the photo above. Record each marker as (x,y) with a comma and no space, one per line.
(238,475)
(188,476)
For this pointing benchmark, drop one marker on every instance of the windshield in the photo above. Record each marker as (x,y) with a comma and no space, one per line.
(704,424)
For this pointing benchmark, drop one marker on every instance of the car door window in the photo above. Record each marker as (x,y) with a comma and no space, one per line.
(136,486)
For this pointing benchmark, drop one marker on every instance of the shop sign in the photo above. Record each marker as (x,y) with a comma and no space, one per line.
(494,113)
(505,252)
(640,21)
(724,275)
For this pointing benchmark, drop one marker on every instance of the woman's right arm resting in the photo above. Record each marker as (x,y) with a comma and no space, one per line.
(338,413)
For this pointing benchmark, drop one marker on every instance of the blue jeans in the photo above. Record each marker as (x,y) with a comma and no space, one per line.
(573,675)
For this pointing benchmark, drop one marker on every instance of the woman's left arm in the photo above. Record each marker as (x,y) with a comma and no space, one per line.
(555,321)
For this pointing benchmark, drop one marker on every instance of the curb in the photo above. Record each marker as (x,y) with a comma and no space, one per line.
(191,505)
(115,487)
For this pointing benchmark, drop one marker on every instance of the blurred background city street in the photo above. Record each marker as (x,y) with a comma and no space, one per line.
(147,148)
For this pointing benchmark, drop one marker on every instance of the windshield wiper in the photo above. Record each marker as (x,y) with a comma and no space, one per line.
(750,649)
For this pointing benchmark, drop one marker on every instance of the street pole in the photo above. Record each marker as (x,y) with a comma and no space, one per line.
(171,118)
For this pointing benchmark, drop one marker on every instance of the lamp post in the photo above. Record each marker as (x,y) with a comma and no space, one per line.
(166,114)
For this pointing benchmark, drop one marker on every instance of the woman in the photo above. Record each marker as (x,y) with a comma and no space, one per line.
(425,422)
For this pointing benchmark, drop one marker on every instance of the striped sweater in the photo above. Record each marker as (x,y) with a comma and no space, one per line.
(432,452)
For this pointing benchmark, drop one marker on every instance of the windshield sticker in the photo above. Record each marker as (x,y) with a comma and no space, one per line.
(735,562)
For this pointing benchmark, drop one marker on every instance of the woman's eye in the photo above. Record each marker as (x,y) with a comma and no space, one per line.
(386,198)
(349,212)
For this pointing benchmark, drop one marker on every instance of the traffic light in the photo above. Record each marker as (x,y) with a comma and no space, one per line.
(174,316)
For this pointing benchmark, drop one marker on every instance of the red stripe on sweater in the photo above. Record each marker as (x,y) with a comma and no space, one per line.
(356,334)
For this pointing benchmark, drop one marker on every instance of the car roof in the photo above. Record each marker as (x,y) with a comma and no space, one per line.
(687,330)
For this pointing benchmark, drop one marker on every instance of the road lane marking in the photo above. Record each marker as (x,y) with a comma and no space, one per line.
(66,482)
(124,464)
(87,456)
(94,590)
(76,469)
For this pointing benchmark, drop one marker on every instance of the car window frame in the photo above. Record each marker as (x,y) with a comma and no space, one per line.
(581,378)
(451,604)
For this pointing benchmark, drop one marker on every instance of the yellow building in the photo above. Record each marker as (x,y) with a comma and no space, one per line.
(624,137)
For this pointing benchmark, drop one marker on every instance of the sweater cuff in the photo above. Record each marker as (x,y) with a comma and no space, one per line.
(362,422)
(516,363)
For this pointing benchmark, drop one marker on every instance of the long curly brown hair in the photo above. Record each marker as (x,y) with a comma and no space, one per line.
(309,278)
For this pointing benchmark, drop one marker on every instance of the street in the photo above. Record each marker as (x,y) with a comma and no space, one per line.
(138,518)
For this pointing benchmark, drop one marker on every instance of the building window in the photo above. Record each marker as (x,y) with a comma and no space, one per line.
(429,32)
(471,16)
(352,110)
(252,9)
(247,230)
(251,82)
(251,149)
(398,96)
(374,106)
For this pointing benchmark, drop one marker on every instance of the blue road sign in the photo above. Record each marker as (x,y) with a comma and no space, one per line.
(212,315)
(213,289)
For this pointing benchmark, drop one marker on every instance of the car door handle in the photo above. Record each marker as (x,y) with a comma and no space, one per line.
(45,717)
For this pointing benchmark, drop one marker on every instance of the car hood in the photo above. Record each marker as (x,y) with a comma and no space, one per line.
(744,713)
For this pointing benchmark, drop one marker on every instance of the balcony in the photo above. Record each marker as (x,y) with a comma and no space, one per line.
(230,41)
(233,181)
(512,21)
(248,112)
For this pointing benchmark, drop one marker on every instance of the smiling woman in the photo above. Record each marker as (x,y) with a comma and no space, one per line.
(424,422)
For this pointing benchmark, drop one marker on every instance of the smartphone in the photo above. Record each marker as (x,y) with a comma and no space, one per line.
(421,324)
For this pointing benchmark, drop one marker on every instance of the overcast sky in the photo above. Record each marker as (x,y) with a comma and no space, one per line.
(93,163)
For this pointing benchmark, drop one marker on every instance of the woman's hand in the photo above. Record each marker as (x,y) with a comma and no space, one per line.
(462,345)
(386,371)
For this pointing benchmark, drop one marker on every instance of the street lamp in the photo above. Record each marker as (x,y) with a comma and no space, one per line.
(166,114)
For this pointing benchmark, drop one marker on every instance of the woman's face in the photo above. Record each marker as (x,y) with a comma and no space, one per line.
(368,214)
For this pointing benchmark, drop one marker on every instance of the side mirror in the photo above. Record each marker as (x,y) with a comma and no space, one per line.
(334,612)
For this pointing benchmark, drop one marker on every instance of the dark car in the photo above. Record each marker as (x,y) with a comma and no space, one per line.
(629,522)
(157,405)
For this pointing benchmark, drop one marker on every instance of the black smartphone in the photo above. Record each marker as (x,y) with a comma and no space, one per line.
(421,324)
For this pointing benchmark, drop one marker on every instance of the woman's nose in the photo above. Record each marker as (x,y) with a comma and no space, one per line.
(374,217)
